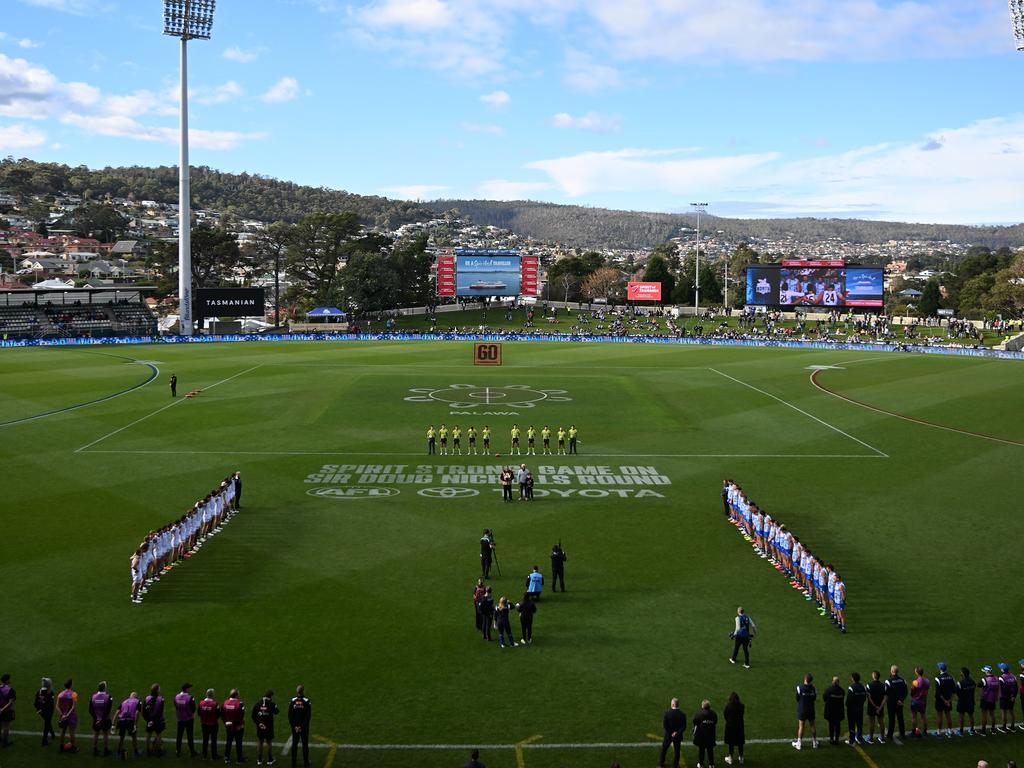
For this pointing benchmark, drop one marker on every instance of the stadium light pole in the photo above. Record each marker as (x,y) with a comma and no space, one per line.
(186,20)
(1017,16)
(699,207)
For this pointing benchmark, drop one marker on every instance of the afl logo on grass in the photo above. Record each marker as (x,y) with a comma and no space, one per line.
(353,492)
(448,493)
(474,395)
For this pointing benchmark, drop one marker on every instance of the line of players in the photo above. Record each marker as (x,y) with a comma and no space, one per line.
(884,701)
(109,718)
(440,435)
(169,546)
(811,575)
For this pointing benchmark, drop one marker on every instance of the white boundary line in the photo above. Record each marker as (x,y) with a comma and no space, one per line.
(881,454)
(161,410)
(429,459)
(437,747)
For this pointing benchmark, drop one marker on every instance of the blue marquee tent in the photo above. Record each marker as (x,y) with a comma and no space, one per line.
(326,314)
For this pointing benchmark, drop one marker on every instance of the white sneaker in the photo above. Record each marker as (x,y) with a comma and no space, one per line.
(797,745)
(728,760)
(815,744)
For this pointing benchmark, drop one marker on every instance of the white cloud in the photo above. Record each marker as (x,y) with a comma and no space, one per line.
(19,137)
(219,94)
(410,14)
(415,191)
(75,7)
(969,174)
(126,127)
(25,89)
(82,94)
(28,43)
(496,99)
(582,73)
(234,53)
(493,130)
(285,89)
(592,121)
(502,189)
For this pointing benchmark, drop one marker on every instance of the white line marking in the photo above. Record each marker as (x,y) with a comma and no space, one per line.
(161,410)
(881,454)
(287,748)
(447,747)
(585,456)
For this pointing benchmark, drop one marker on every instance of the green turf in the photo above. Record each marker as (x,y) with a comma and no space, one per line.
(367,600)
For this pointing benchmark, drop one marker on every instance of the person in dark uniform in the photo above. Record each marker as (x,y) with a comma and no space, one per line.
(45,706)
(945,690)
(705,722)
(876,707)
(236,480)
(300,711)
(486,613)
(856,696)
(835,710)
(558,559)
(263,717)
(805,698)
(725,497)
(674,724)
(185,714)
(735,735)
(478,592)
(174,385)
(527,608)
(895,694)
(486,552)
(474,760)
(506,484)
(966,687)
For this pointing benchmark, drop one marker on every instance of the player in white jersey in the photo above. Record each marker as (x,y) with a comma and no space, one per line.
(830,297)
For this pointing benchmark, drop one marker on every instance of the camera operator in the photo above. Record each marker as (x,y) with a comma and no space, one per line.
(741,635)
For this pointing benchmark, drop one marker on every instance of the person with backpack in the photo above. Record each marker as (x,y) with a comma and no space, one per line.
(153,714)
(232,712)
(263,716)
(742,633)
(209,721)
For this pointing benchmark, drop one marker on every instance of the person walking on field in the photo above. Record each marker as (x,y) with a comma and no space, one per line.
(674,724)
(742,633)
(735,735)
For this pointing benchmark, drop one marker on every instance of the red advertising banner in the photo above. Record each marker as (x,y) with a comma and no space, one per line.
(528,281)
(636,291)
(813,263)
(446,275)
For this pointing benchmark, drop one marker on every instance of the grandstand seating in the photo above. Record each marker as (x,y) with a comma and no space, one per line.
(75,320)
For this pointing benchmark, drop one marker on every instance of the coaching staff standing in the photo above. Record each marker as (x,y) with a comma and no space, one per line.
(895,694)
(300,711)
(674,723)
(236,480)
(174,385)
(558,558)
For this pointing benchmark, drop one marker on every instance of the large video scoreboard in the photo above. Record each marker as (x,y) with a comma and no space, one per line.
(820,283)
(486,272)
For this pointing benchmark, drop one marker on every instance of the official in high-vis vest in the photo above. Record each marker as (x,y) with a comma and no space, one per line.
(743,631)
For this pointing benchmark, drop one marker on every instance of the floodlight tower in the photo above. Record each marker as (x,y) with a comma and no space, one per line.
(699,208)
(187,20)
(1017,14)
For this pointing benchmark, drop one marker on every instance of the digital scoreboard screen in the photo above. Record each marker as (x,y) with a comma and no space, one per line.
(818,284)
(486,275)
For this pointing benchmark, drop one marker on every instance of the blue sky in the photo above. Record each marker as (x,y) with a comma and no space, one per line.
(873,108)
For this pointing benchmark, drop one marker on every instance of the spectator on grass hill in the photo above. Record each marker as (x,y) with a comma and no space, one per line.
(674,724)
(474,760)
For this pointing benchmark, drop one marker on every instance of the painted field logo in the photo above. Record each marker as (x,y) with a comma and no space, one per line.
(448,493)
(470,396)
(353,492)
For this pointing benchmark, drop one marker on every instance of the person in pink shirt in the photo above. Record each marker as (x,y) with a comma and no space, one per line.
(919,702)
(67,714)
(127,722)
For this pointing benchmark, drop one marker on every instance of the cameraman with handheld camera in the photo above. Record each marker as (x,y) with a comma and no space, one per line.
(742,634)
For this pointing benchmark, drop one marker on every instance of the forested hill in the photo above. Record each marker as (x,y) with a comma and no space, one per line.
(244,195)
(595,227)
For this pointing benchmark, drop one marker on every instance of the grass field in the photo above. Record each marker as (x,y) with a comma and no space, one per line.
(366,599)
